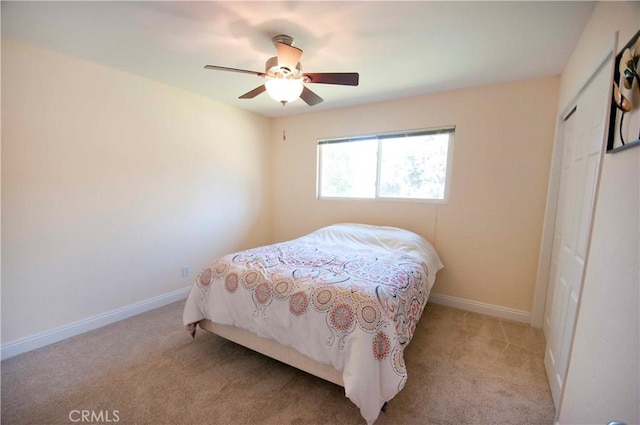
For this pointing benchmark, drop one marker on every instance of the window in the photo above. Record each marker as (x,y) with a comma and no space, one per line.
(407,165)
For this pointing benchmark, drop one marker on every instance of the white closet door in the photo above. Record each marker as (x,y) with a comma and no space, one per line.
(583,144)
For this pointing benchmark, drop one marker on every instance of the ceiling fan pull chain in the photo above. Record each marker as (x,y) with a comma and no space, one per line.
(284,117)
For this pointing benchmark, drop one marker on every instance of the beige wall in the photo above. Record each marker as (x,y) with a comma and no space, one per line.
(603,380)
(488,234)
(111,183)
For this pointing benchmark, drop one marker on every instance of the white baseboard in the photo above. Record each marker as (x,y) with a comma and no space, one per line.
(478,307)
(33,342)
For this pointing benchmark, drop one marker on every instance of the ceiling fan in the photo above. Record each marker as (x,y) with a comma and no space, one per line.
(285,79)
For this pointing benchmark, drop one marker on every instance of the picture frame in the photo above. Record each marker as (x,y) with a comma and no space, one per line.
(624,118)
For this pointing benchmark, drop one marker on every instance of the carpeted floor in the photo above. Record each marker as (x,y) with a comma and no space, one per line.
(464,368)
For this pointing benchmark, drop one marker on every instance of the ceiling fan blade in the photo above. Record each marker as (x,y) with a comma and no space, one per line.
(340,78)
(253,93)
(288,56)
(309,97)
(224,68)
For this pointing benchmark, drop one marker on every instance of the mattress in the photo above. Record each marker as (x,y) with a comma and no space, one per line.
(348,295)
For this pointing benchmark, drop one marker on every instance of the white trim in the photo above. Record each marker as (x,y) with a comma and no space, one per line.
(548,226)
(483,308)
(33,342)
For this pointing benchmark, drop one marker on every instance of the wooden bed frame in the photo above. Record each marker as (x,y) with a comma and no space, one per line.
(273,349)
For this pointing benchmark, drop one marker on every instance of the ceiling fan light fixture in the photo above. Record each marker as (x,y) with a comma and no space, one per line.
(284,89)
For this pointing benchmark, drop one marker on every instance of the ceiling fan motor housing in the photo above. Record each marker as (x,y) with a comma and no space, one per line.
(282,38)
(273,70)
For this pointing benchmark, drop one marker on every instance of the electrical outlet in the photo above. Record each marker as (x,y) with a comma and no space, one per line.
(185,271)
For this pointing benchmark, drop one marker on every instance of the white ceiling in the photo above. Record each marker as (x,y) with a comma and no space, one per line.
(400,49)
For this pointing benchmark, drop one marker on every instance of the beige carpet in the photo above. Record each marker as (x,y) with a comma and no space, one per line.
(464,368)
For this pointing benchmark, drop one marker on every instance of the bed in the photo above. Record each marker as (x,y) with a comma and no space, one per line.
(341,303)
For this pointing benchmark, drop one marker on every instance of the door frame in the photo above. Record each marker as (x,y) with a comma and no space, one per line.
(553,189)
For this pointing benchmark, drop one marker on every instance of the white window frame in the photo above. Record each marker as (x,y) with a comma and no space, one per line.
(380,137)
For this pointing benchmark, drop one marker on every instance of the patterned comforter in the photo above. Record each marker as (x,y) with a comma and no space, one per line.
(358,290)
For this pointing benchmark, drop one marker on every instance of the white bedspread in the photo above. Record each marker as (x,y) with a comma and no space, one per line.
(349,295)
